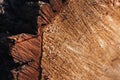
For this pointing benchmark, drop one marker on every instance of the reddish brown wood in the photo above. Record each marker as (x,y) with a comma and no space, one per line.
(56,4)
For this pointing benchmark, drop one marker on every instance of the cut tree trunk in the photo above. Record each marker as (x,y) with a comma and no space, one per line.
(81,43)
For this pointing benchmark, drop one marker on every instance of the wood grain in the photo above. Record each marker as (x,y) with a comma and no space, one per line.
(27,47)
(82,43)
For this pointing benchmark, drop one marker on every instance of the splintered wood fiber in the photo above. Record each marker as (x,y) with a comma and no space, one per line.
(83,42)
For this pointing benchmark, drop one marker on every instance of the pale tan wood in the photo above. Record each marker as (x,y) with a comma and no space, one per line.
(82,43)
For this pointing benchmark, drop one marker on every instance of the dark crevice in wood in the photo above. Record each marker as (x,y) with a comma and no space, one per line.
(40,58)
(63,1)
(6,59)
(47,1)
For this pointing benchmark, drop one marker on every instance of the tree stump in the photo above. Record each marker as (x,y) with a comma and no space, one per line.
(81,43)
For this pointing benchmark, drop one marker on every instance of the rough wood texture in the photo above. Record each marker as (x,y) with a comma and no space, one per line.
(82,43)
(27,48)
(22,60)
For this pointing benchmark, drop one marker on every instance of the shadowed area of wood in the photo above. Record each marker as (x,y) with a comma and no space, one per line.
(82,43)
